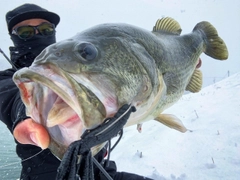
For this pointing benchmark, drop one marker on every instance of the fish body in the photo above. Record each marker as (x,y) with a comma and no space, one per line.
(75,84)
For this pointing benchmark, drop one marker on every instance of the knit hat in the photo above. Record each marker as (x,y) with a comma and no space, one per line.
(29,11)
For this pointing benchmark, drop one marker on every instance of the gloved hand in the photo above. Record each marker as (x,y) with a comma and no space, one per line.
(30,132)
(77,161)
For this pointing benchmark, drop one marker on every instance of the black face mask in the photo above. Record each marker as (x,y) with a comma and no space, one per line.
(25,51)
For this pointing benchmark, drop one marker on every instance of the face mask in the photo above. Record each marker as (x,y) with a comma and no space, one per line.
(25,51)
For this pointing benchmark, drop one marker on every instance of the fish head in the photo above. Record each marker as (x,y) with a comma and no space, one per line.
(75,84)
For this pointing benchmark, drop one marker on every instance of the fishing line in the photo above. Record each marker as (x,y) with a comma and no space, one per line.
(32,156)
(1,51)
(22,160)
(101,169)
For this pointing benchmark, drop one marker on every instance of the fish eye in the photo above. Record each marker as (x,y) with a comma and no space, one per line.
(87,51)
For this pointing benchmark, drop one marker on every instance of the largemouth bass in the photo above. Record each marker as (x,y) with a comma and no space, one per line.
(75,84)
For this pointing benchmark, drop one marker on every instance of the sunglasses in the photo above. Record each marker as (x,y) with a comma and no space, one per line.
(27,32)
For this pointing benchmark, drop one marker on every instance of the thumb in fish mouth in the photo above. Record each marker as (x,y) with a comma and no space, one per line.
(30,132)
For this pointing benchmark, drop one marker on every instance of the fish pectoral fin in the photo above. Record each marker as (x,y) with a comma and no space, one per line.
(195,83)
(171,121)
(168,25)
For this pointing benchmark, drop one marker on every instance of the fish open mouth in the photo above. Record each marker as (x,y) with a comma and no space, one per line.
(58,102)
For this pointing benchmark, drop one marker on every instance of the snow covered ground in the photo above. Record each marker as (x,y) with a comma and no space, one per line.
(210,150)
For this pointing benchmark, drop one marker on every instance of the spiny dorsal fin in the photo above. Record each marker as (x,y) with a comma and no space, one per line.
(195,83)
(169,25)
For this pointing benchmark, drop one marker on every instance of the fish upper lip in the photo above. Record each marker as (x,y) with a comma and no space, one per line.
(55,80)
(48,82)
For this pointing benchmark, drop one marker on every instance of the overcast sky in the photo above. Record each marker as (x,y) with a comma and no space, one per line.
(77,15)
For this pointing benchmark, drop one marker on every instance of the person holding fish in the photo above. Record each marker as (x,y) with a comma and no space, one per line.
(32,28)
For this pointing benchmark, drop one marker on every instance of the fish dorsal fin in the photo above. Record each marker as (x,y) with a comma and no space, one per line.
(168,25)
(195,83)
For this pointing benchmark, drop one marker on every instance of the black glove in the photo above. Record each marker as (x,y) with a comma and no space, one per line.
(77,161)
